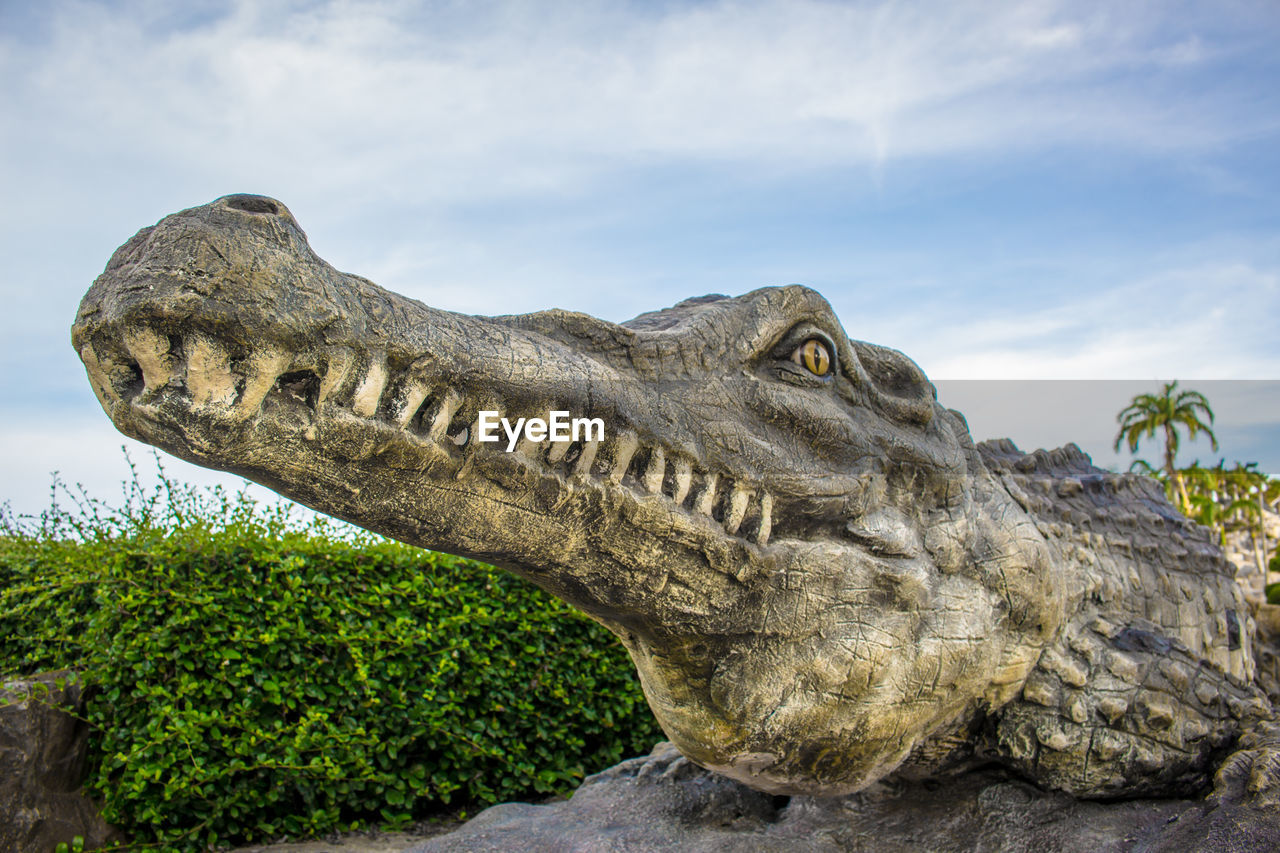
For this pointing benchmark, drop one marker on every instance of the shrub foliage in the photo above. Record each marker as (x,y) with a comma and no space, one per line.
(252,676)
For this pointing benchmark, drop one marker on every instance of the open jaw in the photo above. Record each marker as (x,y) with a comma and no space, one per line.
(390,441)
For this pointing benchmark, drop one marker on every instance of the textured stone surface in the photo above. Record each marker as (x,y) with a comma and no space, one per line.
(1243,550)
(819,576)
(665,803)
(354,842)
(42,767)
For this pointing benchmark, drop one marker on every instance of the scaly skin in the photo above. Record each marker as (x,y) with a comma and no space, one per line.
(821,579)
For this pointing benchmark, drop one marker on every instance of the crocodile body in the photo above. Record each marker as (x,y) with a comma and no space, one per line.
(820,577)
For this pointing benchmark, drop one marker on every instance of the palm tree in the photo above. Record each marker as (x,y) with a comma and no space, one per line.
(1166,411)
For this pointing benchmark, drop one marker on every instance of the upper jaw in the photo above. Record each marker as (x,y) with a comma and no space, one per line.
(169,378)
(361,387)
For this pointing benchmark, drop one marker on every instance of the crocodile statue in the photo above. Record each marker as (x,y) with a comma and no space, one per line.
(820,577)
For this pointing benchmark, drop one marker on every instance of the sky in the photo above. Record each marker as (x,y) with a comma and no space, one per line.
(1008,193)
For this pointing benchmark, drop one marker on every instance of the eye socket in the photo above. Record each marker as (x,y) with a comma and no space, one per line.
(813,356)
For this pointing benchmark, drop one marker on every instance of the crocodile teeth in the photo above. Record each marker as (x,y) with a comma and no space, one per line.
(625,447)
(265,366)
(557,451)
(369,391)
(152,363)
(209,373)
(410,400)
(737,509)
(582,465)
(653,474)
(469,431)
(440,423)
(151,351)
(527,447)
(766,519)
(684,477)
(706,499)
(340,363)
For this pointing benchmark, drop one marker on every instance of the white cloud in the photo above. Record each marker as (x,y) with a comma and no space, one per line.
(386,126)
(1211,321)
(383,100)
(87,455)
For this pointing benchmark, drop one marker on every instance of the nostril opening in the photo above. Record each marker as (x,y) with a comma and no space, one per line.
(253,204)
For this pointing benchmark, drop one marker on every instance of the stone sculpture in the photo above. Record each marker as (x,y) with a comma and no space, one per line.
(820,578)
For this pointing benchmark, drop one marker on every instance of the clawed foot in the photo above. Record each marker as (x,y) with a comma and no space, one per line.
(1251,774)
(666,763)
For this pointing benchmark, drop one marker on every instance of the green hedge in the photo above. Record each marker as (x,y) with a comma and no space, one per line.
(250,680)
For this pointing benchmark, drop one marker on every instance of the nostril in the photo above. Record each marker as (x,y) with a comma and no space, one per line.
(253,204)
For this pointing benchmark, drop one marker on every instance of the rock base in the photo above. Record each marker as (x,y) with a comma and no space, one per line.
(665,803)
(42,753)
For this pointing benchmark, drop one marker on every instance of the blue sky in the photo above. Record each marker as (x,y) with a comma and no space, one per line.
(1023,190)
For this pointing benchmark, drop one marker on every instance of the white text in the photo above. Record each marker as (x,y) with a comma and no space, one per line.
(557,427)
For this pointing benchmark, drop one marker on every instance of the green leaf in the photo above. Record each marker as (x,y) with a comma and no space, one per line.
(251,681)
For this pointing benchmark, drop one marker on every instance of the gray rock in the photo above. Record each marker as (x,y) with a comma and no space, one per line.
(42,753)
(665,803)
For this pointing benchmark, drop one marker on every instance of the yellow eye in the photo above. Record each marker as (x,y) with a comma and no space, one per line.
(813,356)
